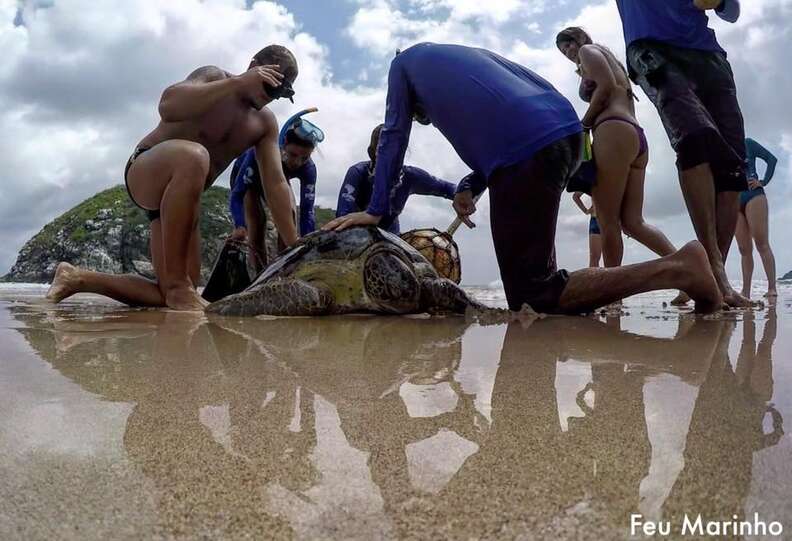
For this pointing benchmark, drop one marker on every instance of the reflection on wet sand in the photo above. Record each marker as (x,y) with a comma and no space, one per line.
(360,427)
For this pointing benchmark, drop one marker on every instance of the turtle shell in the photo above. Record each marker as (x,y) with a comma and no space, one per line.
(439,248)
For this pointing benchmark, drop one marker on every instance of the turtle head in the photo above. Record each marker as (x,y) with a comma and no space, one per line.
(439,295)
(390,281)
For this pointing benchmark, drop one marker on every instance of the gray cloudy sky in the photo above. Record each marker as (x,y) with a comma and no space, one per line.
(80,80)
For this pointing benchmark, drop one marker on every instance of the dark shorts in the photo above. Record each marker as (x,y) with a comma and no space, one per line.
(594,228)
(150,214)
(748,195)
(695,95)
(524,201)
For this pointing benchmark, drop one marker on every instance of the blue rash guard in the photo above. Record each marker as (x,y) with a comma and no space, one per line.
(494,112)
(245,174)
(358,185)
(676,22)
(754,151)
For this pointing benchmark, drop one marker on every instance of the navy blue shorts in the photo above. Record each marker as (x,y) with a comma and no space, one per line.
(524,200)
(594,228)
(696,98)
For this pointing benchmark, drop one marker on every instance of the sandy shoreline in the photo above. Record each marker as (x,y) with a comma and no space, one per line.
(119,423)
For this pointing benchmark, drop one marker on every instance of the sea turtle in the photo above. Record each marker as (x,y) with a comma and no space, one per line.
(361,269)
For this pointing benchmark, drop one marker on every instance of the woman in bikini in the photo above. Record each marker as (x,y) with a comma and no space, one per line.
(752,222)
(619,145)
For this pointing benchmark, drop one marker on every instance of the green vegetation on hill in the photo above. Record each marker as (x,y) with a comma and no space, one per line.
(108,233)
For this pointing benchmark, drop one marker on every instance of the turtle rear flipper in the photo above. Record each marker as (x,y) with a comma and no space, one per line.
(287,297)
(440,295)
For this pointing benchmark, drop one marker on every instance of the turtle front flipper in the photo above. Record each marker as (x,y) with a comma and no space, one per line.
(440,295)
(287,297)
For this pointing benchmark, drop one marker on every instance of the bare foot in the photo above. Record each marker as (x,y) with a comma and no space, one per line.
(185,299)
(771,293)
(735,300)
(681,300)
(697,278)
(65,283)
(730,297)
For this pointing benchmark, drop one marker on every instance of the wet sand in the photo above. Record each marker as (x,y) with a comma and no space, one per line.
(130,424)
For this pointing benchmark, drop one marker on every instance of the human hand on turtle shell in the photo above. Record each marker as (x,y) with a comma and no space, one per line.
(350,220)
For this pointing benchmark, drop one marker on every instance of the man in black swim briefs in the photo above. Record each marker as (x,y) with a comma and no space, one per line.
(206,121)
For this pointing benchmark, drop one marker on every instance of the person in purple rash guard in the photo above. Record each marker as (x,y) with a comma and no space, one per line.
(674,56)
(522,140)
(355,193)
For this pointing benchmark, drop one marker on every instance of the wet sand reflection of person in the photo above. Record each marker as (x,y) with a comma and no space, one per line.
(529,475)
(359,366)
(726,430)
(176,369)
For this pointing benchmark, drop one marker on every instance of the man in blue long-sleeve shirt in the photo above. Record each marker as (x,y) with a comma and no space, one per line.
(355,194)
(522,140)
(676,59)
(753,223)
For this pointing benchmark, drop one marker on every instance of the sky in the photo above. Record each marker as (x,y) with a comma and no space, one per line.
(80,81)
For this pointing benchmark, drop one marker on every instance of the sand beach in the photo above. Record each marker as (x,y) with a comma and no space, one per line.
(119,423)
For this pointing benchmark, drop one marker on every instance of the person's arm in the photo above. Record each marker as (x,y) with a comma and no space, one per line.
(276,190)
(207,85)
(770,160)
(464,200)
(597,69)
(394,137)
(475,183)
(307,198)
(577,198)
(350,190)
(423,183)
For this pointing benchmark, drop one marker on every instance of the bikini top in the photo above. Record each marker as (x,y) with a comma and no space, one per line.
(588,86)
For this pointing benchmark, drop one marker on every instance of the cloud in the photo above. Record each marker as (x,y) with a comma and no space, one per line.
(80,82)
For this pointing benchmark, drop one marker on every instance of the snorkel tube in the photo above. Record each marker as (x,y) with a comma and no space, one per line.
(294,121)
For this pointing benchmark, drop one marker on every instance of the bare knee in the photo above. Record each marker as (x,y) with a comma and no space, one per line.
(746,249)
(610,227)
(191,165)
(762,246)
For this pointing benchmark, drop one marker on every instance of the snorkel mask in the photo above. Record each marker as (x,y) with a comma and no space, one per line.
(284,90)
(305,130)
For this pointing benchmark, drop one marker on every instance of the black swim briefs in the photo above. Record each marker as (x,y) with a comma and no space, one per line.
(150,214)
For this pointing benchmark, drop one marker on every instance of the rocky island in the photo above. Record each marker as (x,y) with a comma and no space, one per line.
(108,233)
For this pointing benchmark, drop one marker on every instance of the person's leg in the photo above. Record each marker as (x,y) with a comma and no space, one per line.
(632,213)
(256,221)
(694,134)
(130,289)
(727,207)
(687,269)
(171,177)
(194,255)
(615,144)
(756,214)
(745,245)
(524,202)
(595,249)
(698,188)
